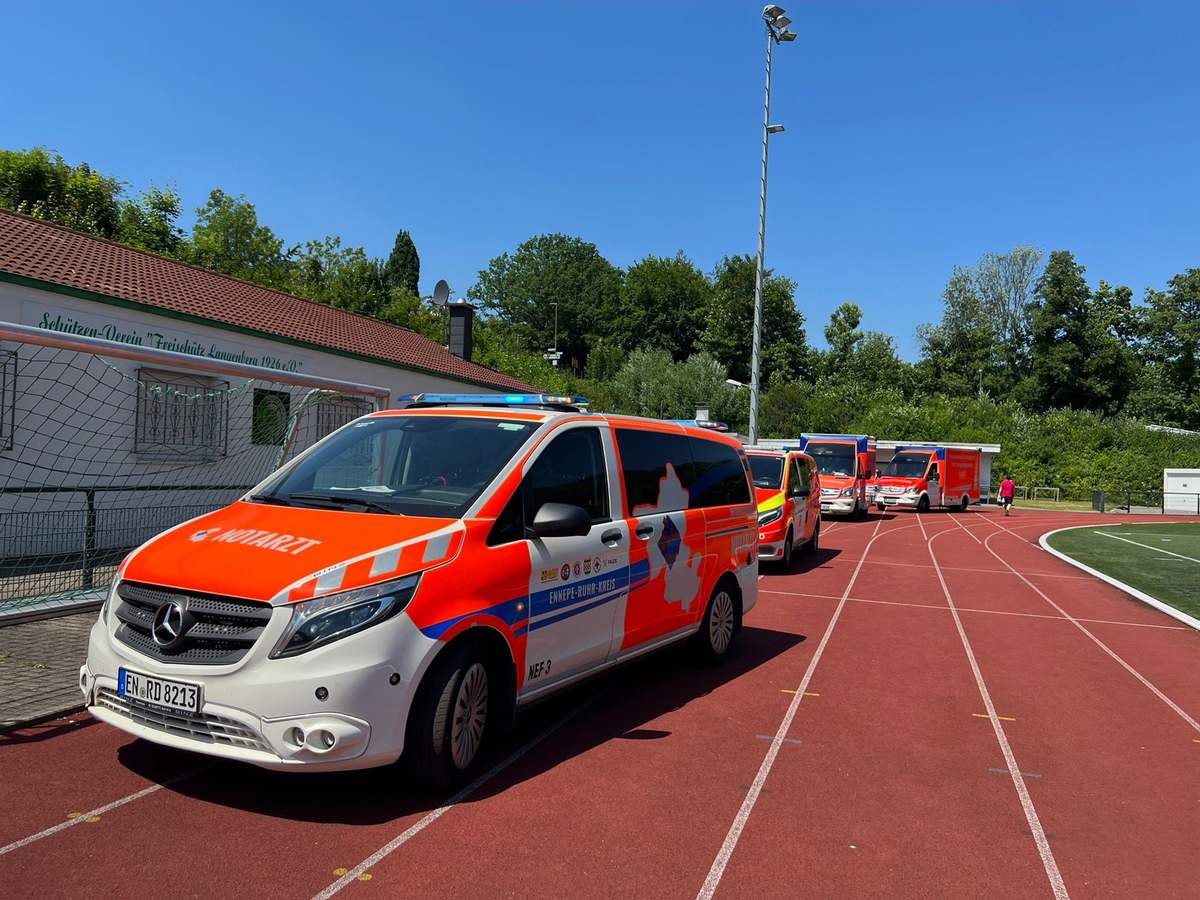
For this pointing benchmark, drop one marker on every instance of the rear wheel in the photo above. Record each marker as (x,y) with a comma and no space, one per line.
(966,502)
(714,640)
(923,505)
(449,719)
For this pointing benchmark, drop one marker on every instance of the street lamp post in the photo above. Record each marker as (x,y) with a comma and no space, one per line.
(777,32)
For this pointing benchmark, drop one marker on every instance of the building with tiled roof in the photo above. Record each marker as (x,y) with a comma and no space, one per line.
(121,284)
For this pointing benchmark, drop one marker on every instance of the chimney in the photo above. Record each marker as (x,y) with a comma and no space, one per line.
(462,319)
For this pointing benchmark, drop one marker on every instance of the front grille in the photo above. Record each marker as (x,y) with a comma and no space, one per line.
(217,631)
(203,728)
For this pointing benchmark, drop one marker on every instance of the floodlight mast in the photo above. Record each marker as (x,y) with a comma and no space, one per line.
(777,32)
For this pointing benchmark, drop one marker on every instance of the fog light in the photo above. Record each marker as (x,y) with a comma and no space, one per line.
(295,736)
(325,739)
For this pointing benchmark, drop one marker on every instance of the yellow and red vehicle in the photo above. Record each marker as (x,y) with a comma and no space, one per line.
(787,488)
(408,583)
(847,464)
(922,477)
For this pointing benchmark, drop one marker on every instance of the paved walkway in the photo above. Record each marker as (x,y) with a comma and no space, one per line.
(39,667)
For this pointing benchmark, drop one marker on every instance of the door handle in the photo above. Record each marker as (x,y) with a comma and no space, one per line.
(612,536)
(644,532)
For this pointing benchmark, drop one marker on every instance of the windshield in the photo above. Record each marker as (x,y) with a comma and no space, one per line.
(767,471)
(833,459)
(907,465)
(419,465)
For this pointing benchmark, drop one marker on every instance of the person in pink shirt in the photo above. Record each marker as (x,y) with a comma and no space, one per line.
(1007,489)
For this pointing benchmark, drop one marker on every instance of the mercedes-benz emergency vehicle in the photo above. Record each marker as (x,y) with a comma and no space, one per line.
(406,584)
(923,477)
(846,463)
(788,490)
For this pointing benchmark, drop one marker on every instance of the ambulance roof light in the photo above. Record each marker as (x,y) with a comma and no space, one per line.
(707,424)
(532,401)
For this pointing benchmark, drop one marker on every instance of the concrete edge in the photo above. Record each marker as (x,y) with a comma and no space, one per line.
(10,727)
(1120,585)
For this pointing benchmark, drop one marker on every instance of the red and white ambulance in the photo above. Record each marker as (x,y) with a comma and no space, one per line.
(409,582)
(922,477)
(788,490)
(847,464)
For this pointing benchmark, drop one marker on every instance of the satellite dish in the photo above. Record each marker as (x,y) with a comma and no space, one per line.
(441,293)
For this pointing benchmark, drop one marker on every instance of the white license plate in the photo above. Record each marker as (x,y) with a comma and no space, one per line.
(177,696)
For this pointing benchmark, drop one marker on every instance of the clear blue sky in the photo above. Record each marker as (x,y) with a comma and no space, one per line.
(920,135)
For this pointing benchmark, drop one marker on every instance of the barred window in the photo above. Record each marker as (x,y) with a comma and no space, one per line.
(8,398)
(271,412)
(181,416)
(332,414)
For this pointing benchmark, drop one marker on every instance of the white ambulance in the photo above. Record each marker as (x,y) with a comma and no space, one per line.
(407,584)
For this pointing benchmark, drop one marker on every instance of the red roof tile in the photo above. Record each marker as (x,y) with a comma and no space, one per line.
(46,252)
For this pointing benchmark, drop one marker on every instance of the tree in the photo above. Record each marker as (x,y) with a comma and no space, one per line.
(227,238)
(149,223)
(983,338)
(552,283)
(47,187)
(1078,359)
(343,277)
(403,266)
(1169,349)
(661,304)
(729,326)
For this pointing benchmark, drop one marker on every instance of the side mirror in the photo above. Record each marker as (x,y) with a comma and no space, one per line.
(803,491)
(560,520)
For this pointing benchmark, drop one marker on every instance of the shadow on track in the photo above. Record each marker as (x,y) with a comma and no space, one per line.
(621,702)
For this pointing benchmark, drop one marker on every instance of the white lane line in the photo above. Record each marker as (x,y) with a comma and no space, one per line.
(1078,623)
(404,837)
(1147,547)
(1031,816)
(739,823)
(99,811)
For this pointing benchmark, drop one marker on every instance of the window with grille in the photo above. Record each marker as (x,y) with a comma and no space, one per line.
(272,410)
(8,398)
(333,414)
(181,416)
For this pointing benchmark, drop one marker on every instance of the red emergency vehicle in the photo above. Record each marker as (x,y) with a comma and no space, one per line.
(923,477)
(846,463)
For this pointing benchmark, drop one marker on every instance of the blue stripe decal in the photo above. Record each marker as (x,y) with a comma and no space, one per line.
(511,611)
(613,582)
(554,620)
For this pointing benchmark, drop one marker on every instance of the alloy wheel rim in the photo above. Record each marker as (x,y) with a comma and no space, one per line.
(720,628)
(470,716)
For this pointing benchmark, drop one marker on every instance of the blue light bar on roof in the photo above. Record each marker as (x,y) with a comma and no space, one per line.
(702,423)
(493,399)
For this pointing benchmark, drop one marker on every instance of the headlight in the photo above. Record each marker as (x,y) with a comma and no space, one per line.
(767,518)
(323,620)
(912,490)
(848,492)
(108,600)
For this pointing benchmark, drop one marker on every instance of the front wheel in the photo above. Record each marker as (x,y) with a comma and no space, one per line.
(786,562)
(714,640)
(923,505)
(449,719)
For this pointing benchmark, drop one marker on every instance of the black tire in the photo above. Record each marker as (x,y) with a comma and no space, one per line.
(923,505)
(786,562)
(449,719)
(813,543)
(966,502)
(714,641)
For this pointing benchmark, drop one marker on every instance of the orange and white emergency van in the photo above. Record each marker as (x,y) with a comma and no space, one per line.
(846,463)
(403,587)
(787,487)
(922,477)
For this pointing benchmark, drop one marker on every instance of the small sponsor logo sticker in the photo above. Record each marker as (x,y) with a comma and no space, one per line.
(578,569)
(565,572)
(587,567)
(549,575)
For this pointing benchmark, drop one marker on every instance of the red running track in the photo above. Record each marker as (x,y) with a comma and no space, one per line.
(933,707)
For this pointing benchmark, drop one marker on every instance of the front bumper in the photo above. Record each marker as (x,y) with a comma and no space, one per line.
(770,542)
(898,501)
(266,711)
(839,505)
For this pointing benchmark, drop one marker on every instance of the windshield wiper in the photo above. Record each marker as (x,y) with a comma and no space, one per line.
(269,498)
(342,502)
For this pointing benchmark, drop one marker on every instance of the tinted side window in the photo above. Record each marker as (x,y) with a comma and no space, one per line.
(805,475)
(571,470)
(644,458)
(720,476)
